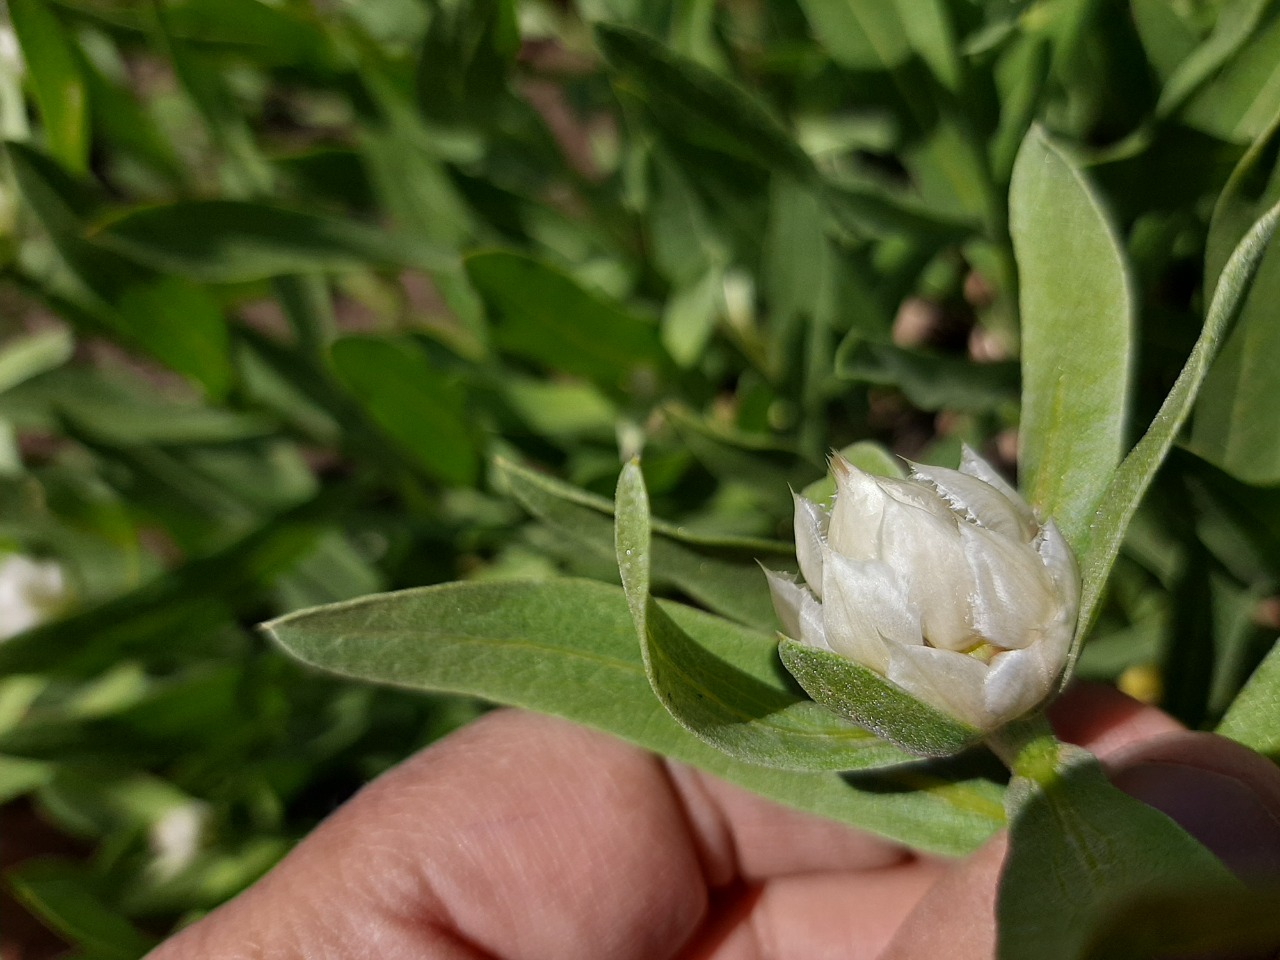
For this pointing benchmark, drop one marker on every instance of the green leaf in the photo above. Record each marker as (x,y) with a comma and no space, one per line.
(690,316)
(567,411)
(545,316)
(54,70)
(1232,426)
(126,412)
(61,204)
(714,111)
(413,402)
(1077,330)
(1167,33)
(1235,24)
(20,775)
(929,30)
(930,381)
(60,894)
(180,325)
(1254,716)
(568,648)
(1077,846)
(466,56)
(1238,102)
(186,602)
(710,570)
(766,465)
(869,700)
(1026,65)
(174,321)
(739,705)
(1223,921)
(874,210)
(233,241)
(860,34)
(1124,493)
(30,356)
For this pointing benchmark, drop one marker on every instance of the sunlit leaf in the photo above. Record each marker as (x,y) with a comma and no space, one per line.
(738,704)
(568,647)
(1077,332)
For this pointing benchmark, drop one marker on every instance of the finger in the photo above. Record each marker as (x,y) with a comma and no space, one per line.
(1220,792)
(1224,795)
(740,835)
(803,912)
(519,836)
(847,915)
(1100,717)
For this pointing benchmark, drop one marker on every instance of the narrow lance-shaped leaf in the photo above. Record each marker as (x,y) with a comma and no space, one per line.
(742,707)
(862,695)
(64,897)
(1131,480)
(860,34)
(709,570)
(1077,319)
(568,648)
(544,315)
(724,116)
(20,360)
(413,402)
(56,81)
(233,241)
(1236,23)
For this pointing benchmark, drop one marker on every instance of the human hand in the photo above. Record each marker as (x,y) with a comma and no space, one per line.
(526,837)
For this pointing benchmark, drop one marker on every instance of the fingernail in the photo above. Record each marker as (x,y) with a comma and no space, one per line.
(1223,812)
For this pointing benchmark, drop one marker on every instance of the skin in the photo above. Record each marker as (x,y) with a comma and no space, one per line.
(523,837)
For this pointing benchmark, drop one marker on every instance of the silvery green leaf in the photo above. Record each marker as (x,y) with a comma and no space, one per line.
(1081,845)
(742,706)
(869,700)
(568,648)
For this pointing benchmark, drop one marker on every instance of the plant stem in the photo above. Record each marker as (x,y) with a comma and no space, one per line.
(1028,748)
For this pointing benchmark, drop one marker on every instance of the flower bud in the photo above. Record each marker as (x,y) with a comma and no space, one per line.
(945,584)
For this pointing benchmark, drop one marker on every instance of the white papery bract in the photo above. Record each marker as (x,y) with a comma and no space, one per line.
(31,591)
(945,583)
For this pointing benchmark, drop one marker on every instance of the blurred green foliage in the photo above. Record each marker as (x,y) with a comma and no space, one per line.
(282,279)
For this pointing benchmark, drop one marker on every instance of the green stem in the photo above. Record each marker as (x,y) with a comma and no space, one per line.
(1028,748)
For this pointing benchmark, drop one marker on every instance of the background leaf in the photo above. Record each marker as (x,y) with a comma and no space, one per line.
(414,403)
(543,315)
(229,241)
(1131,481)
(711,570)
(56,81)
(1232,407)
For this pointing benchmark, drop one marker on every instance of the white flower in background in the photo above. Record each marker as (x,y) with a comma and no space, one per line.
(176,838)
(30,593)
(944,583)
